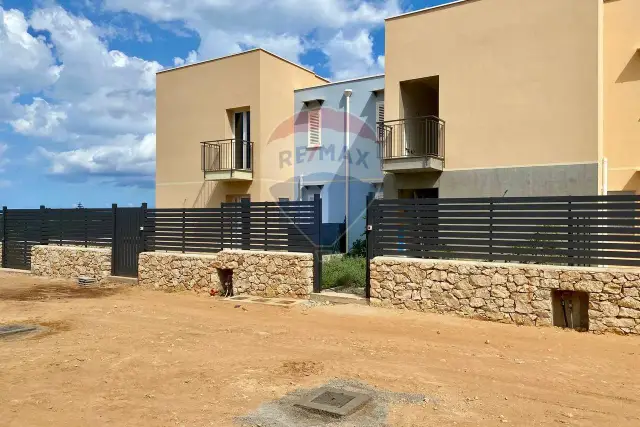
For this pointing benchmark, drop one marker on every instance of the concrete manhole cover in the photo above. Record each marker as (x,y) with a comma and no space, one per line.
(334,401)
(338,403)
(12,330)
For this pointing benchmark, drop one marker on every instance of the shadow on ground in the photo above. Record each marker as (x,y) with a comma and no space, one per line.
(49,291)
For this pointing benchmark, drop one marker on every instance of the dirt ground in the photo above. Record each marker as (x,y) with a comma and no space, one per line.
(128,357)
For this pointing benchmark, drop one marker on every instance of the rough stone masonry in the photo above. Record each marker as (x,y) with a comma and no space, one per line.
(258,273)
(506,293)
(71,262)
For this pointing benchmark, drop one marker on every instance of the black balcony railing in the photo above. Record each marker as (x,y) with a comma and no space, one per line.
(227,155)
(414,137)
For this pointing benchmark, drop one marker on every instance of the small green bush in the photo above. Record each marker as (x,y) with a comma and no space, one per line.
(358,249)
(344,272)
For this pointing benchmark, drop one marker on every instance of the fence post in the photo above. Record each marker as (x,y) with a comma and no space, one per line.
(370,242)
(86,227)
(246,224)
(570,234)
(114,237)
(44,236)
(4,236)
(266,215)
(317,245)
(223,224)
(143,230)
(184,237)
(491,231)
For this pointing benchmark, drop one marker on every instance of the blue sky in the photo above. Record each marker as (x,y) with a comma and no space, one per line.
(77,82)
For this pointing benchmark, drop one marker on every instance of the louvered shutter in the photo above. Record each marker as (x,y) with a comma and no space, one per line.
(379,119)
(315,127)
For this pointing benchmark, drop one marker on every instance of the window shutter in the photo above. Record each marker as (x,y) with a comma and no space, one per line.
(380,118)
(315,127)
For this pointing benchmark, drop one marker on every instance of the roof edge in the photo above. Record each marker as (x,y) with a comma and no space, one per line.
(257,49)
(443,6)
(430,9)
(355,79)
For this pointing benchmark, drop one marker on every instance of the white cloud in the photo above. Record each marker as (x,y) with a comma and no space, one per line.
(190,59)
(99,102)
(39,119)
(352,56)
(27,62)
(125,158)
(282,26)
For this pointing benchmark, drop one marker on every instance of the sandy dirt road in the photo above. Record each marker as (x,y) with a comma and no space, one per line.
(129,357)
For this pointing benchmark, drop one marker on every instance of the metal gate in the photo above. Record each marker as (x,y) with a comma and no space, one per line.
(127,241)
(21,230)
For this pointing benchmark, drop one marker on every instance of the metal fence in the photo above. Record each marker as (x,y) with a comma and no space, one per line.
(291,226)
(23,228)
(270,226)
(590,231)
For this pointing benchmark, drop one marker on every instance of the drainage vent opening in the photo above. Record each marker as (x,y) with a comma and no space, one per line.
(570,309)
(226,281)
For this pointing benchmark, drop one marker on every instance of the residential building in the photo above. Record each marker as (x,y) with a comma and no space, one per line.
(220,126)
(328,119)
(513,97)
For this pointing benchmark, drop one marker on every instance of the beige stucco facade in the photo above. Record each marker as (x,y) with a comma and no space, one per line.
(622,94)
(527,89)
(195,103)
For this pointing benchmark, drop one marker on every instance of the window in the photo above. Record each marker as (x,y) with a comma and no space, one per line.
(379,119)
(315,127)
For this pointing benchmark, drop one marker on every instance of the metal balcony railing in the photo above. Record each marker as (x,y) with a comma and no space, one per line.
(413,137)
(227,155)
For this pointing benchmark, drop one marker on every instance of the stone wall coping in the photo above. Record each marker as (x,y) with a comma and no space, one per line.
(277,253)
(383,259)
(190,255)
(231,252)
(74,248)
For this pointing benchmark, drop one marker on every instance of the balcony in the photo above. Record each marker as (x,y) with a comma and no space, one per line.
(412,145)
(227,160)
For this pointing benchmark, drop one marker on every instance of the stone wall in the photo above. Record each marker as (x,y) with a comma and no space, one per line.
(266,274)
(507,293)
(71,262)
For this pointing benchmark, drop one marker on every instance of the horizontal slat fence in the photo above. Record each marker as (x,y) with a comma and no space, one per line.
(24,228)
(285,226)
(78,227)
(591,231)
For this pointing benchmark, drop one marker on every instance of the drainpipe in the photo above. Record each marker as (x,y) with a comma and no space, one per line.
(347,95)
(605,176)
(300,186)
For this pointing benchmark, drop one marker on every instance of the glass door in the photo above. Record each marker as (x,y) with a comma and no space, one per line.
(242,136)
